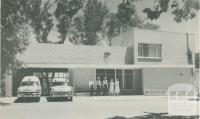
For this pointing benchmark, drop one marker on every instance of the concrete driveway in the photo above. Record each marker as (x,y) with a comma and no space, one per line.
(84,107)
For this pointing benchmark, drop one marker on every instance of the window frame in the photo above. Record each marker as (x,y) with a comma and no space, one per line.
(157,47)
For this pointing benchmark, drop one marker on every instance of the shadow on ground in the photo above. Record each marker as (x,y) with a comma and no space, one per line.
(26,100)
(4,104)
(156,116)
(56,99)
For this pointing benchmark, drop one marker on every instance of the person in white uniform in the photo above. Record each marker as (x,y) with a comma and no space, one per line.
(117,89)
(111,87)
(91,86)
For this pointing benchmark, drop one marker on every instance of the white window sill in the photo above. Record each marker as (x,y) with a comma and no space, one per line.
(150,57)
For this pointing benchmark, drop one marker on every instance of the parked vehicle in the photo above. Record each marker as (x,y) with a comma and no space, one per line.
(61,89)
(29,87)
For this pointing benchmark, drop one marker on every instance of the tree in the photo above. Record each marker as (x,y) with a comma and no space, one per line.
(41,20)
(76,31)
(125,18)
(125,12)
(16,18)
(85,27)
(64,13)
(94,13)
(14,33)
(181,9)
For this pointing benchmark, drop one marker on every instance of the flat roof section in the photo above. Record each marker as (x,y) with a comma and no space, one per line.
(103,66)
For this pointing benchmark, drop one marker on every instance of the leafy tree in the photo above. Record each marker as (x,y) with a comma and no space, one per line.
(16,18)
(14,33)
(85,27)
(64,13)
(125,12)
(125,18)
(181,9)
(76,31)
(94,13)
(113,26)
(41,20)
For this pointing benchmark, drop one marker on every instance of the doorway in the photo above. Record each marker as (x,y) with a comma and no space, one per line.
(130,80)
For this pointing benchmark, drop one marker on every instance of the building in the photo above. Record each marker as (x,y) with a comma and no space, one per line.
(145,62)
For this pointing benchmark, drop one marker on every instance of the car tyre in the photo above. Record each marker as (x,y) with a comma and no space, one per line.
(38,99)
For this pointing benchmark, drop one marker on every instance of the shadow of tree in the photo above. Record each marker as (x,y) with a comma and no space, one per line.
(4,104)
(27,100)
(157,116)
(56,99)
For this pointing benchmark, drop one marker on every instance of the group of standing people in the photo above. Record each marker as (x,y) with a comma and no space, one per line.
(98,86)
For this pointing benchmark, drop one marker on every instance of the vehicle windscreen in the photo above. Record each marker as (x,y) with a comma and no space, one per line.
(59,83)
(29,83)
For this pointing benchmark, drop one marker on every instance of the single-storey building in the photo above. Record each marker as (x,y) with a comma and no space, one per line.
(145,62)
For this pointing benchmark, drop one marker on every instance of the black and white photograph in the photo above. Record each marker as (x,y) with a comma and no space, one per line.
(100,59)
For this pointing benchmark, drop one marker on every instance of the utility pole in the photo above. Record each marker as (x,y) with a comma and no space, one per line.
(121,30)
(0,59)
(133,50)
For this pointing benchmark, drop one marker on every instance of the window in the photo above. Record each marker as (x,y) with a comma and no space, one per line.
(109,73)
(125,79)
(149,50)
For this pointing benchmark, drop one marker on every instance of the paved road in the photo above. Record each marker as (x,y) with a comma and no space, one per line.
(85,108)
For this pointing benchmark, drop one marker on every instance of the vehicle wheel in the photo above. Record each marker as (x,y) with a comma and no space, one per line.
(38,99)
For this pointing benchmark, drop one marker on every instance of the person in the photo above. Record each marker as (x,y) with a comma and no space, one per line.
(111,88)
(105,86)
(91,86)
(98,84)
(117,90)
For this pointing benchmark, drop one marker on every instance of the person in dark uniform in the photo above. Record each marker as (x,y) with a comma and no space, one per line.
(91,86)
(98,84)
(105,86)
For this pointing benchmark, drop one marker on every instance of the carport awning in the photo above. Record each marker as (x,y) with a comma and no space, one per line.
(105,66)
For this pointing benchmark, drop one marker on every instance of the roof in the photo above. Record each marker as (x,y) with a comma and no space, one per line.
(30,78)
(42,53)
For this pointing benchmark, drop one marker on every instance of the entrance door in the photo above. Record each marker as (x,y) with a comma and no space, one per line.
(128,79)
(109,73)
